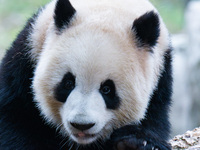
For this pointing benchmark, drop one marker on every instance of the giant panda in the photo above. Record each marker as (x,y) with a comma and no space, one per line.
(88,75)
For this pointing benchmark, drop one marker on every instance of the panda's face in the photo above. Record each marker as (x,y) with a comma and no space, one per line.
(87,85)
(92,77)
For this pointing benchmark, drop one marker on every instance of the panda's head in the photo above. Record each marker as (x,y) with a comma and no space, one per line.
(98,65)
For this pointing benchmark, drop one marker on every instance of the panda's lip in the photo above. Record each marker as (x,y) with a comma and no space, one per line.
(83,135)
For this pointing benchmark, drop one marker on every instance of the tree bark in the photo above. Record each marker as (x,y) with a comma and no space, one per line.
(188,141)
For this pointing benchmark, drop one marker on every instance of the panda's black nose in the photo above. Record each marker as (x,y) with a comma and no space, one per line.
(82,127)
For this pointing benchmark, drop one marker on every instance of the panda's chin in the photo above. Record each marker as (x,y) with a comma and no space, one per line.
(84,138)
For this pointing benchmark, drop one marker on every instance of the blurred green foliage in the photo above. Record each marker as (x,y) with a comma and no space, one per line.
(172,12)
(13,16)
(14,13)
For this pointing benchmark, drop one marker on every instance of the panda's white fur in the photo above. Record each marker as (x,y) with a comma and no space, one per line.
(98,45)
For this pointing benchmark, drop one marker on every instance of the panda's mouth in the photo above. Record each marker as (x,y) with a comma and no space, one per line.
(84,138)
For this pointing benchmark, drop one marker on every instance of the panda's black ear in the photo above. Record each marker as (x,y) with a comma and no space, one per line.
(147,29)
(64,12)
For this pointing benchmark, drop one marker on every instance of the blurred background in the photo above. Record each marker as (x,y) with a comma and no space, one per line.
(182,18)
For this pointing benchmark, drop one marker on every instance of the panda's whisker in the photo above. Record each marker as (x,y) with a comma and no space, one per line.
(66,141)
(70,143)
(77,147)
(58,127)
(71,146)
(97,145)
(100,143)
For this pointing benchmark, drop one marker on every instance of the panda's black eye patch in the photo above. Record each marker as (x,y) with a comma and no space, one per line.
(108,92)
(64,88)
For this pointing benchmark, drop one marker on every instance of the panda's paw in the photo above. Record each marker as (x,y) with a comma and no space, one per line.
(133,143)
(137,138)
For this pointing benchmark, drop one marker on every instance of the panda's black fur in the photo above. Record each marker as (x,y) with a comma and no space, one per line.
(17,109)
(22,127)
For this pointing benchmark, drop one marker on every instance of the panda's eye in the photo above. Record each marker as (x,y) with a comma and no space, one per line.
(70,84)
(65,87)
(109,94)
(105,90)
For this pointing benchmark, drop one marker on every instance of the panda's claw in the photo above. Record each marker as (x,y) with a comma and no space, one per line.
(144,143)
(132,143)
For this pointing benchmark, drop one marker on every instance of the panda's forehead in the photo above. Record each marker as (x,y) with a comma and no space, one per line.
(91,56)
